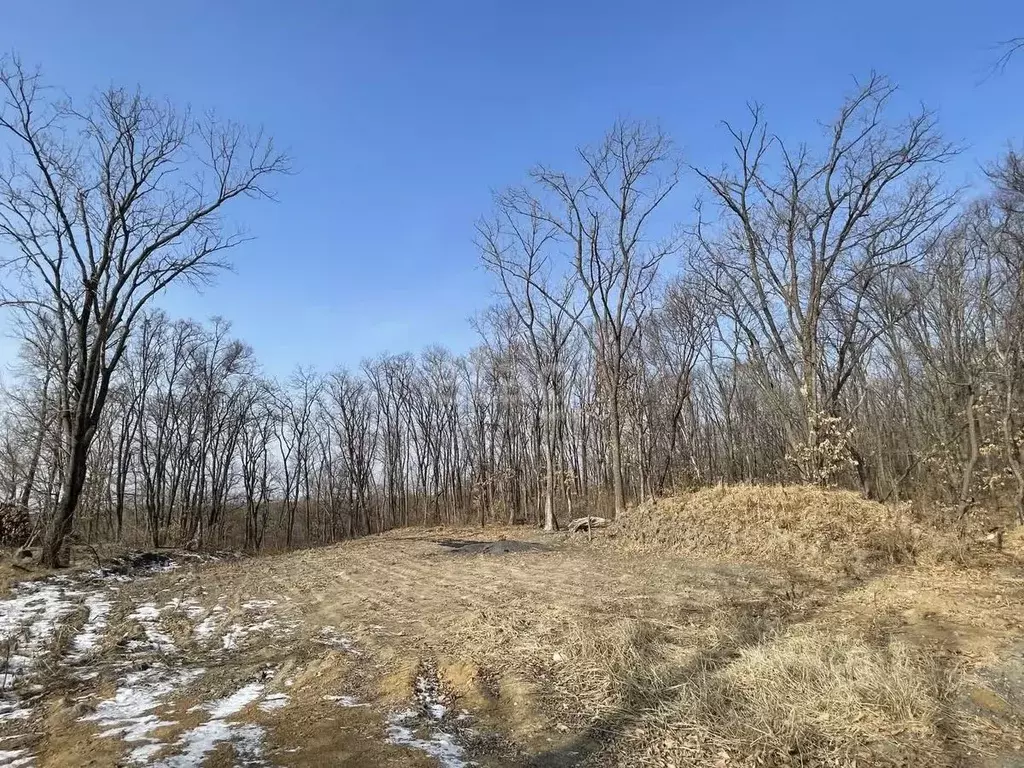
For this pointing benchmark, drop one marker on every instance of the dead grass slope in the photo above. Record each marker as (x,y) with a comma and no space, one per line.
(799,526)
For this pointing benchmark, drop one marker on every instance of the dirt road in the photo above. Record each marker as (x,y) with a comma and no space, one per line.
(393,651)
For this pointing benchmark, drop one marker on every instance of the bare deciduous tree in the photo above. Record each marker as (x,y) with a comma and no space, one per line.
(107,205)
(802,247)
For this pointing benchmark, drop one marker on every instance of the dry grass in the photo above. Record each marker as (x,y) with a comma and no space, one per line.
(632,654)
(803,526)
(808,698)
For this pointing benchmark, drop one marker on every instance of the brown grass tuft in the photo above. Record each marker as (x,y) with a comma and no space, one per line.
(810,698)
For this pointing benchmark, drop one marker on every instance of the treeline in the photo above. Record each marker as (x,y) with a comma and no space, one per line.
(836,313)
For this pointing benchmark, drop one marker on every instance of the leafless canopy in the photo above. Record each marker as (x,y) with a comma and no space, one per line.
(105,205)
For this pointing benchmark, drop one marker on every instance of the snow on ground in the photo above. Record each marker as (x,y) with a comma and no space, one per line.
(12,758)
(408,728)
(151,673)
(330,636)
(438,744)
(206,629)
(30,622)
(274,701)
(148,616)
(430,696)
(246,738)
(191,608)
(259,605)
(238,633)
(28,625)
(88,638)
(346,701)
(129,714)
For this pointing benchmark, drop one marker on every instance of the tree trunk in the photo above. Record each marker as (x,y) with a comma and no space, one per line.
(618,489)
(550,524)
(71,489)
(967,475)
(37,448)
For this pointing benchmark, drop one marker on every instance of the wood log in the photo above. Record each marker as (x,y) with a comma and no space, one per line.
(586,523)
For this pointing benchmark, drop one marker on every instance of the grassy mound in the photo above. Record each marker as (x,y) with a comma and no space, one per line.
(804,526)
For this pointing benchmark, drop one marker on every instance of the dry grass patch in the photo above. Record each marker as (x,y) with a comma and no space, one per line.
(808,698)
(804,526)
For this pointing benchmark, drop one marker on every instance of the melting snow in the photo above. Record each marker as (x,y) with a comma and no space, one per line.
(259,605)
(148,616)
(28,622)
(236,702)
(190,608)
(206,628)
(10,709)
(439,744)
(430,697)
(15,757)
(346,701)
(274,701)
(330,636)
(86,640)
(129,714)
(247,739)
(239,632)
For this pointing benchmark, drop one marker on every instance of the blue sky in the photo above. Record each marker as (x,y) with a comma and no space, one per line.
(402,117)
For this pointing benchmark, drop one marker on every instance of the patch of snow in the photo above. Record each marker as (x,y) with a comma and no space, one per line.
(430,696)
(408,729)
(205,628)
(28,624)
(11,709)
(145,753)
(247,739)
(146,612)
(236,702)
(11,758)
(347,701)
(240,632)
(274,701)
(330,636)
(148,616)
(88,638)
(439,744)
(259,605)
(191,608)
(129,714)
(248,743)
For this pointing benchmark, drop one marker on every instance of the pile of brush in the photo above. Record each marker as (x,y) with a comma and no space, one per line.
(803,526)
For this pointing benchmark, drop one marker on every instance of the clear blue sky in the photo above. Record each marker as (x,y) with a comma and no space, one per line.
(403,116)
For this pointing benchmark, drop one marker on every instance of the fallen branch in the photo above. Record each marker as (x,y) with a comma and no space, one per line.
(587,523)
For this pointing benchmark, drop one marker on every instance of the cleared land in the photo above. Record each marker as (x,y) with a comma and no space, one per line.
(397,650)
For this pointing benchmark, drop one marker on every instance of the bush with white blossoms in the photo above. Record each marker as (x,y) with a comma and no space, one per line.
(826,452)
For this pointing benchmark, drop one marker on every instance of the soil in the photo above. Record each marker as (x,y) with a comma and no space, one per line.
(388,651)
(503,547)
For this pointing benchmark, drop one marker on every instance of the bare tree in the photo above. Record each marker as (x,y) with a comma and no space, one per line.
(107,205)
(603,219)
(801,249)
(516,246)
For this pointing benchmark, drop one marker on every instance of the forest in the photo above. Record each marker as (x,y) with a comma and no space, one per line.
(835,310)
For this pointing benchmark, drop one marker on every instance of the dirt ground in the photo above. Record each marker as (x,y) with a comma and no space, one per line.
(398,650)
